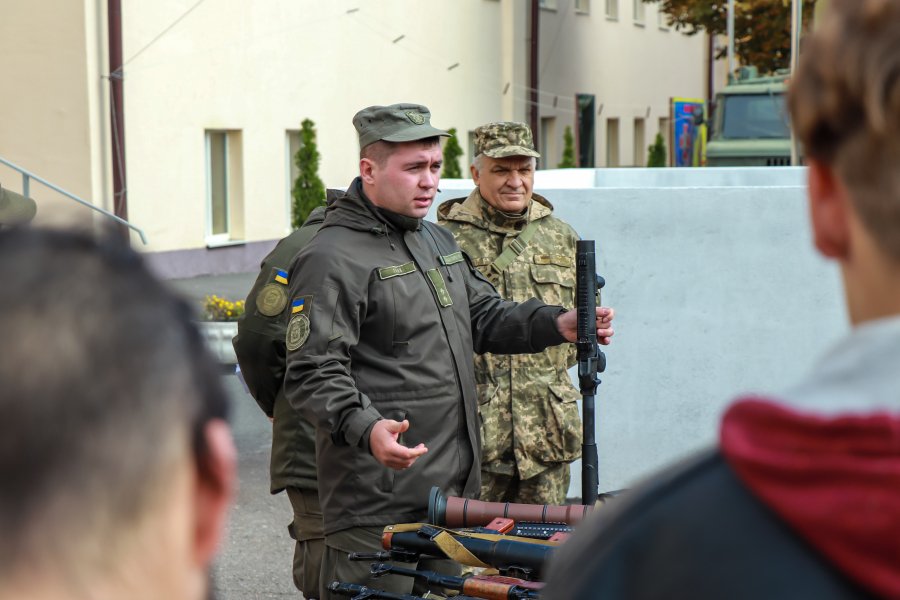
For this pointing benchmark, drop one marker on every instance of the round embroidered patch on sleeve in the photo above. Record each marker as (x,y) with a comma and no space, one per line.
(297,332)
(272,299)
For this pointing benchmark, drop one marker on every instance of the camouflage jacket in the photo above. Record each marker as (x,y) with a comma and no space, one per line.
(529,416)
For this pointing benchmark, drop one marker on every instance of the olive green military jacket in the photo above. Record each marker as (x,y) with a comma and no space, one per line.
(260,351)
(529,416)
(386,314)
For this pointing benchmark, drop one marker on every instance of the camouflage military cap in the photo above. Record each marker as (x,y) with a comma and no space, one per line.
(394,123)
(505,138)
(15,208)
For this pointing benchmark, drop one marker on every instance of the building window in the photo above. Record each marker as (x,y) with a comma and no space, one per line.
(612,9)
(547,141)
(583,6)
(548,4)
(640,143)
(612,142)
(639,11)
(224,187)
(291,170)
(662,19)
(585,124)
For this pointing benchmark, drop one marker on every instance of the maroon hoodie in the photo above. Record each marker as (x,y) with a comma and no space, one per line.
(834,480)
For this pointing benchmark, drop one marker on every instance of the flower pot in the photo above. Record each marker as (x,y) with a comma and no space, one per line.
(217,335)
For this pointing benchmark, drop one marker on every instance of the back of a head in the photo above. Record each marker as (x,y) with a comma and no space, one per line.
(105,386)
(845,107)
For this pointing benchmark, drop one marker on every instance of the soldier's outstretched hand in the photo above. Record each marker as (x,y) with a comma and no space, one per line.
(567,324)
(384,446)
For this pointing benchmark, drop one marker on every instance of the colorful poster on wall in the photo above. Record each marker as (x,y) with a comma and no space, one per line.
(688,118)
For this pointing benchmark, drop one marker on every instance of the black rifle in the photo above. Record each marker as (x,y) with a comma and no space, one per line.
(516,557)
(361,592)
(502,588)
(591,361)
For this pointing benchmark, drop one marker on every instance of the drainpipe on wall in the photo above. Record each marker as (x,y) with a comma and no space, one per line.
(533,72)
(117,108)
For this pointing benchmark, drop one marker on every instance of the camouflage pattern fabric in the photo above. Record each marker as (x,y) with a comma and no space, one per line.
(527,403)
(505,138)
(548,487)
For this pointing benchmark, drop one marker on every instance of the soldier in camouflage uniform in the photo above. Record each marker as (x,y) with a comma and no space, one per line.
(530,428)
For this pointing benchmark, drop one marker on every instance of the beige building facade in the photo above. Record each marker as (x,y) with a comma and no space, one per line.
(215,90)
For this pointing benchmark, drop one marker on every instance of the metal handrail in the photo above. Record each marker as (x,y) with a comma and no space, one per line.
(27,176)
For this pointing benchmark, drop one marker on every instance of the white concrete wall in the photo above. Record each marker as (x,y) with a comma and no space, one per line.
(718,291)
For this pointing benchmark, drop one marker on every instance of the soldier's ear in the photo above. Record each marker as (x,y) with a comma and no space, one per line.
(367,170)
(474,172)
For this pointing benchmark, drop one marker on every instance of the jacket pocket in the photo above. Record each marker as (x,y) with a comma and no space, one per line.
(492,415)
(554,284)
(564,431)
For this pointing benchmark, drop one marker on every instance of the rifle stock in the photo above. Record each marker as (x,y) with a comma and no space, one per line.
(489,588)
(519,557)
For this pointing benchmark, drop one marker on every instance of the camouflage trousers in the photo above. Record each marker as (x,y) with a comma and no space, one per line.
(548,487)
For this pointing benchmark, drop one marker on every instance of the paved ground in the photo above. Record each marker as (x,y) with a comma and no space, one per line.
(255,560)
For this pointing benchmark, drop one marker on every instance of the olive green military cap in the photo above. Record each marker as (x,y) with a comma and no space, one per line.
(394,123)
(15,208)
(505,138)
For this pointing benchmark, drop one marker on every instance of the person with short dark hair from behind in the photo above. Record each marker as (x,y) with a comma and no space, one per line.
(801,497)
(116,461)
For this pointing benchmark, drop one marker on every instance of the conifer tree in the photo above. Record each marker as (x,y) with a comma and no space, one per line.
(308,191)
(452,152)
(656,157)
(568,155)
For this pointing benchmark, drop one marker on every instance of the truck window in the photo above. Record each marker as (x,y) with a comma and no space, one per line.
(754,116)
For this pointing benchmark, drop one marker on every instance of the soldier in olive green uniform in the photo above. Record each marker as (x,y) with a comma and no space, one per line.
(259,347)
(15,209)
(530,427)
(385,313)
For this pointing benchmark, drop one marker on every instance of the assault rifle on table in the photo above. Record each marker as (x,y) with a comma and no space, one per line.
(510,555)
(489,587)
(361,592)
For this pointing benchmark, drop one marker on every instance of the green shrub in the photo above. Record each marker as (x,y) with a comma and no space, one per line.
(656,155)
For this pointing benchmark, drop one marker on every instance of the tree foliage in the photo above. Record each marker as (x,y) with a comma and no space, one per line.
(762,28)
(308,191)
(452,152)
(656,155)
(568,155)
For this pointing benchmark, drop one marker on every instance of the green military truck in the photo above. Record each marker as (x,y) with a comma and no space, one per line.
(750,126)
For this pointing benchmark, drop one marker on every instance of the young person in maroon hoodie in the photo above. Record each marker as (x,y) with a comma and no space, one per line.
(801,499)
